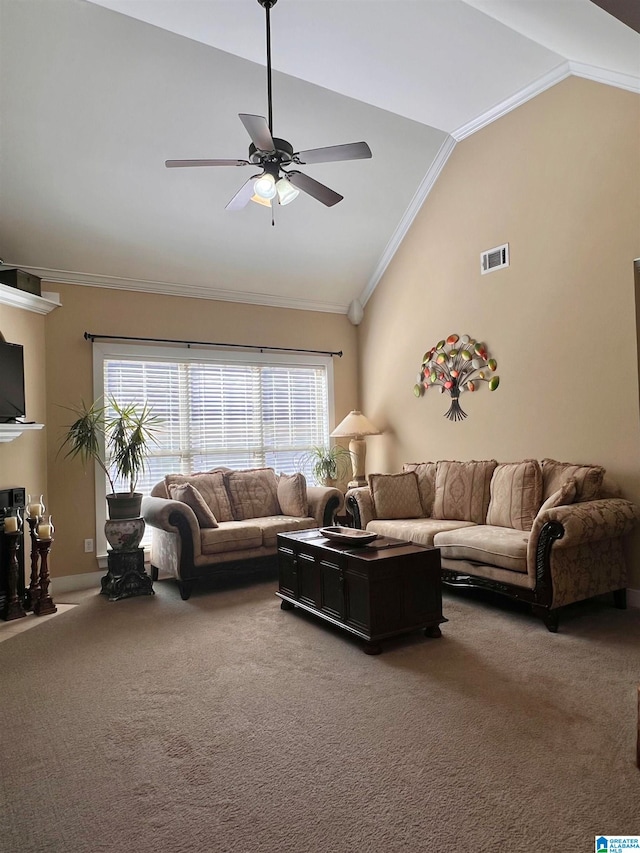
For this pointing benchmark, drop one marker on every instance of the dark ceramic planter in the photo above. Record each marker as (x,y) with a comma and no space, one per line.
(124,505)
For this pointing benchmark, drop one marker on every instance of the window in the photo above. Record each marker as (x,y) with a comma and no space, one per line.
(237,410)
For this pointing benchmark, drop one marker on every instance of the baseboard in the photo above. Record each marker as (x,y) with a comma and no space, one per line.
(74,583)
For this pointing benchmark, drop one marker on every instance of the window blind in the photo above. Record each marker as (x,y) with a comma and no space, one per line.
(239,415)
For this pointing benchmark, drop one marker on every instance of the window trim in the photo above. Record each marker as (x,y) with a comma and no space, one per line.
(135,352)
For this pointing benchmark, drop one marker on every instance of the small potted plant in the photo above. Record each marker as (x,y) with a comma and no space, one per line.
(328,464)
(117,437)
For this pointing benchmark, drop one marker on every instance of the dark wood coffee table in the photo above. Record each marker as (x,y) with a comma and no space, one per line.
(374,591)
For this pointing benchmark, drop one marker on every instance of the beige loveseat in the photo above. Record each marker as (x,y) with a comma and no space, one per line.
(222,520)
(548,533)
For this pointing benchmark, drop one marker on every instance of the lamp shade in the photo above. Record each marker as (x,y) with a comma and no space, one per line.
(286,191)
(265,201)
(265,186)
(355,424)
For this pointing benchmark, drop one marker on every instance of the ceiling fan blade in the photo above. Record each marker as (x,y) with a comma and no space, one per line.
(243,196)
(174,164)
(314,188)
(258,130)
(333,153)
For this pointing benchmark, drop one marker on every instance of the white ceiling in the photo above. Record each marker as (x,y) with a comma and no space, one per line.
(97,94)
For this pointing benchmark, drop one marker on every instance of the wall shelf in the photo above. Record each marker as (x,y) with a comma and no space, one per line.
(8,432)
(29,301)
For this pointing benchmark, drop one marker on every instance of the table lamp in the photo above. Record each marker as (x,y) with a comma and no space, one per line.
(357,426)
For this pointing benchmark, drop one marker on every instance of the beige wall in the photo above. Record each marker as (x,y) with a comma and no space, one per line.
(559,180)
(114,312)
(23,462)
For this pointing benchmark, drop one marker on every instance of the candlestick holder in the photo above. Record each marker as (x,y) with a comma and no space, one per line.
(33,593)
(13,608)
(44,605)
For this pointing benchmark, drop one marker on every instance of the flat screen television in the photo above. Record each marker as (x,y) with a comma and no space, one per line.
(12,404)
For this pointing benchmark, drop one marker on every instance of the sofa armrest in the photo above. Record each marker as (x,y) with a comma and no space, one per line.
(360,506)
(574,551)
(173,517)
(591,521)
(324,502)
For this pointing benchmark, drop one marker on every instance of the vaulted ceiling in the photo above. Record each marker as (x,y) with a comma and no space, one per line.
(96,94)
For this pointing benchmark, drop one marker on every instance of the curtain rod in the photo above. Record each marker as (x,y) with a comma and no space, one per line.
(90,336)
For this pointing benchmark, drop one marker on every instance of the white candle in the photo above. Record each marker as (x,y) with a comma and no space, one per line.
(11,524)
(44,531)
(35,510)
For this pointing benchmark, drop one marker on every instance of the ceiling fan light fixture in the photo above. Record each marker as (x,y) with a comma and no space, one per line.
(265,186)
(265,201)
(286,191)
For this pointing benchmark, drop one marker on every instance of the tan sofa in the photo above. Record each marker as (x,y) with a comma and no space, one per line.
(546,533)
(224,520)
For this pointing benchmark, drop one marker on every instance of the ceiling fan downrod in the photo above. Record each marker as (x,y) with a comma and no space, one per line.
(268,5)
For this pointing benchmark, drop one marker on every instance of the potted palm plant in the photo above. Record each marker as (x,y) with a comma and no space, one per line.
(328,464)
(117,437)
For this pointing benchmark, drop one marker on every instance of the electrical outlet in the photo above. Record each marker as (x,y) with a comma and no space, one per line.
(88,546)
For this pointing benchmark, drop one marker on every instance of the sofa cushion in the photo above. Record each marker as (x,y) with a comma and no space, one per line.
(231,536)
(188,494)
(292,495)
(496,546)
(275,524)
(210,484)
(516,494)
(463,490)
(253,493)
(588,479)
(426,474)
(420,530)
(395,495)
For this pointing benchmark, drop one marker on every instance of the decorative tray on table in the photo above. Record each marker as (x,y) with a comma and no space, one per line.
(348,535)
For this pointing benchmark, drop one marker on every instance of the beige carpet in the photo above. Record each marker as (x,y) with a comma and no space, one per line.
(226,725)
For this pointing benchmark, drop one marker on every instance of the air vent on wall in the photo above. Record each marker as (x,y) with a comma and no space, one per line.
(494,259)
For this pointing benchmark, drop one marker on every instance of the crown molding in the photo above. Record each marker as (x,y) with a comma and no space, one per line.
(603,75)
(167,288)
(409,215)
(551,78)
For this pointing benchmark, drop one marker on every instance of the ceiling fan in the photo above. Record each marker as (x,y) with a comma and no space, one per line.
(272,154)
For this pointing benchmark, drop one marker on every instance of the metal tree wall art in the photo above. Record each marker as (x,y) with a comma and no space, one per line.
(455,365)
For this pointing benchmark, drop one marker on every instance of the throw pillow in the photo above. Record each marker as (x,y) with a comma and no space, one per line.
(563,496)
(588,479)
(609,489)
(395,495)
(292,495)
(426,474)
(516,494)
(253,493)
(463,490)
(188,494)
(211,487)
(566,494)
